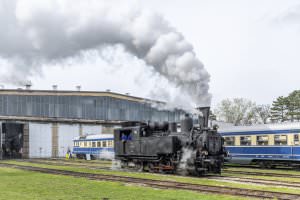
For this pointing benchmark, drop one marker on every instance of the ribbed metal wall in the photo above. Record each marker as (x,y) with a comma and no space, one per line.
(82,107)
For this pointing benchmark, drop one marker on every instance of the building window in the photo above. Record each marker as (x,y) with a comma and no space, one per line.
(245,140)
(229,141)
(262,140)
(280,139)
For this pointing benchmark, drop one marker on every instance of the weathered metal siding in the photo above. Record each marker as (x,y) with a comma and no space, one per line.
(82,107)
(1,140)
(91,129)
(66,134)
(40,140)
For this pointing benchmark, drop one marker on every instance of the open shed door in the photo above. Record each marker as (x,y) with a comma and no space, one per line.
(12,135)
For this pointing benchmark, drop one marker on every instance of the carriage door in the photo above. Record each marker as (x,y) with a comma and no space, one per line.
(295,145)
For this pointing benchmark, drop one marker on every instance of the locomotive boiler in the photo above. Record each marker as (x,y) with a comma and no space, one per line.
(169,147)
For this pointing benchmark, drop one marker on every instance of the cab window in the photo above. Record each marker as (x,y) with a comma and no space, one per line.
(262,140)
(245,140)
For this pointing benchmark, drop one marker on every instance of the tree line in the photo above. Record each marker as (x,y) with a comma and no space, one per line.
(240,111)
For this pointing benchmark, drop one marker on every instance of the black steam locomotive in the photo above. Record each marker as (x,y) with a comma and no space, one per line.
(159,147)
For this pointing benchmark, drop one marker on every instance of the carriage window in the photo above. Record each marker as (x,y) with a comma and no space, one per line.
(246,140)
(296,139)
(109,143)
(93,144)
(262,140)
(280,139)
(99,144)
(85,144)
(229,141)
(103,143)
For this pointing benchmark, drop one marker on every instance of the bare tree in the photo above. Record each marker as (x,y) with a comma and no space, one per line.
(238,111)
(263,113)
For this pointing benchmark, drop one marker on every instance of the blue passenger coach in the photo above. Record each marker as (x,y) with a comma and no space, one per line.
(267,145)
(99,146)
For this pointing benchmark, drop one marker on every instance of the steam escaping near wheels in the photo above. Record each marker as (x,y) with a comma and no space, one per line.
(183,164)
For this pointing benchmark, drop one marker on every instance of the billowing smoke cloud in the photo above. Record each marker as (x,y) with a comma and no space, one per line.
(38,32)
(289,16)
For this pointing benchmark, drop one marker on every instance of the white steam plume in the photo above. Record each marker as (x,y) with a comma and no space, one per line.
(49,31)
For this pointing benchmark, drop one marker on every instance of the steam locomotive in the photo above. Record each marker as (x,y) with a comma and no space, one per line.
(160,147)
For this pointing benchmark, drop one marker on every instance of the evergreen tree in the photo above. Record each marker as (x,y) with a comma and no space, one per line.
(293,106)
(279,109)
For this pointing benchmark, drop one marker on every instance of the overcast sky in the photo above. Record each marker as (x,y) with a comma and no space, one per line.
(250,48)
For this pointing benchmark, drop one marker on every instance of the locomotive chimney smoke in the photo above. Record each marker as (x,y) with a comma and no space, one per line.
(203,119)
(51,31)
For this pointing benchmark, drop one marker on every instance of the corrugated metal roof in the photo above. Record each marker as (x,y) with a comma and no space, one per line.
(75,93)
(88,106)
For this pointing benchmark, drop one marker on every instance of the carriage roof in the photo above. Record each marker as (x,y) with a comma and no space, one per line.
(94,137)
(262,127)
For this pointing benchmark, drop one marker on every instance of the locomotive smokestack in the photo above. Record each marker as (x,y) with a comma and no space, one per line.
(186,124)
(203,121)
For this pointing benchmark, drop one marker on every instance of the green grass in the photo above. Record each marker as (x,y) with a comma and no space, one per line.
(165,177)
(23,185)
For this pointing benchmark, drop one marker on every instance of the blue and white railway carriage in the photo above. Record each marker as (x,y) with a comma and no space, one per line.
(97,146)
(267,145)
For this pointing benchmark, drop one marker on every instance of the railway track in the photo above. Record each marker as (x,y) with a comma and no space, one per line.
(261,173)
(62,163)
(164,184)
(221,178)
(258,181)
